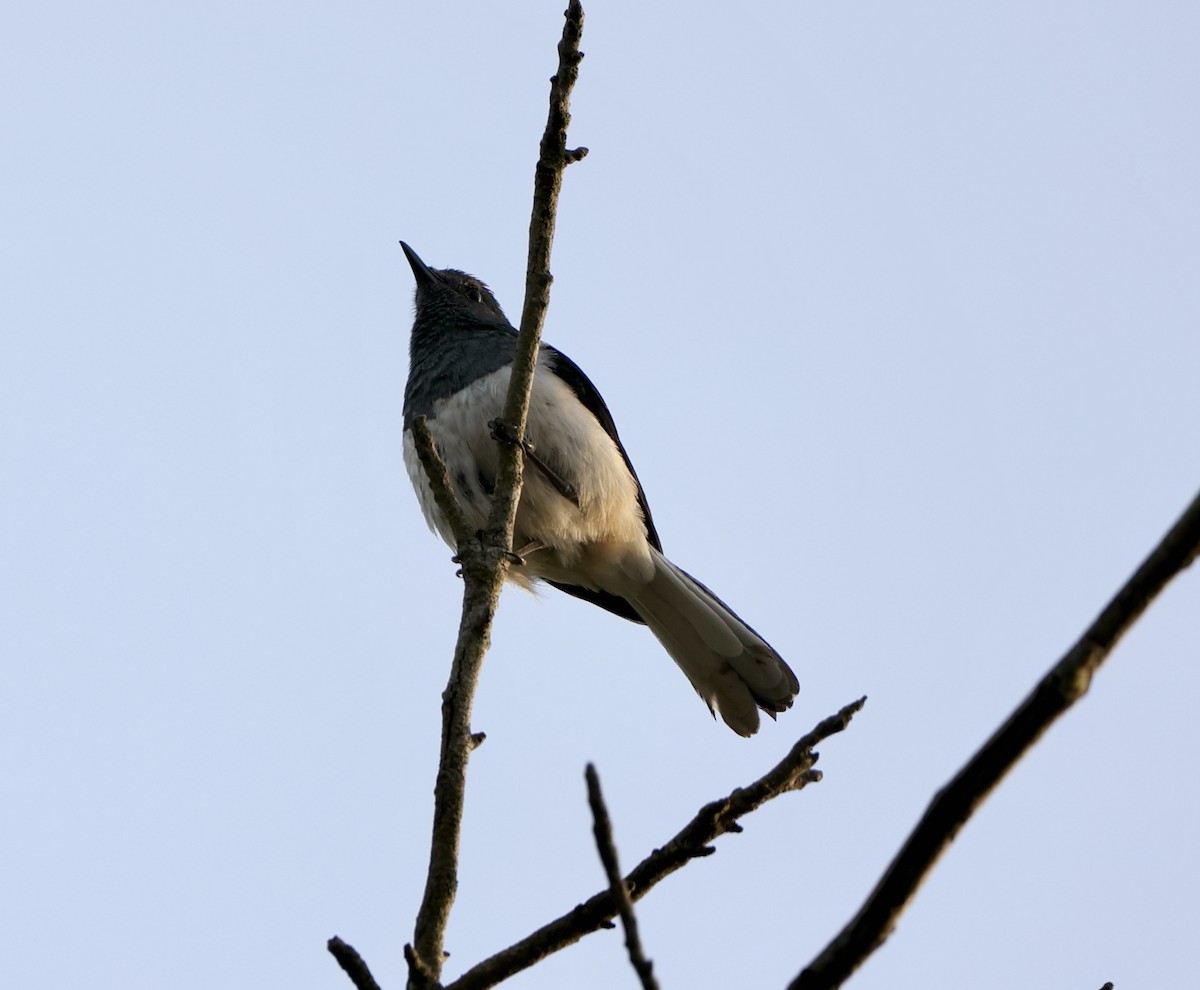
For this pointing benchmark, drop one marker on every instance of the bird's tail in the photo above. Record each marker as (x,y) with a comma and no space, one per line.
(731,667)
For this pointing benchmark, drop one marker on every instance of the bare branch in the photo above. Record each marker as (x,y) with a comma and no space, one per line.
(485,559)
(352,963)
(481,594)
(1063,685)
(608,856)
(792,773)
(553,158)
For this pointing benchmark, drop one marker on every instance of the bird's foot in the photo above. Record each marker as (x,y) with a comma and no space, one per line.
(505,433)
(457,558)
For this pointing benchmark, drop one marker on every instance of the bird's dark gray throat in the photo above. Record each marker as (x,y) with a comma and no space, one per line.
(459,335)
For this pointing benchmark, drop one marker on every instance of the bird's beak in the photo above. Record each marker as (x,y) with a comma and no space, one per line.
(421,271)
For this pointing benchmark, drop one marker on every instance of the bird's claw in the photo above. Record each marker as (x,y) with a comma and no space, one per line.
(506,434)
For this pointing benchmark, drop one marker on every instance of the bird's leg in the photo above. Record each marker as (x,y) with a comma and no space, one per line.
(504,433)
(519,556)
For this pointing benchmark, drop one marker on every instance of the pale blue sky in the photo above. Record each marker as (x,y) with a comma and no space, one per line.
(897,310)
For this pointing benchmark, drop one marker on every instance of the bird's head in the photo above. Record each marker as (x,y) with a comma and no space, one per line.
(446,293)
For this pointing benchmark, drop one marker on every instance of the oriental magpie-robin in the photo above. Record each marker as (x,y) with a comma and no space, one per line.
(583,524)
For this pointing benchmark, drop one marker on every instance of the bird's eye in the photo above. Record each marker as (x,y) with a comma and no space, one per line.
(474,294)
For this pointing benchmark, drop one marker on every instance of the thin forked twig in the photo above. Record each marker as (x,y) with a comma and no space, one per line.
(602,829)
(792,773)
(1063,685)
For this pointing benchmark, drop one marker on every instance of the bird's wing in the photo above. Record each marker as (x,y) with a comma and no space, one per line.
(586,392)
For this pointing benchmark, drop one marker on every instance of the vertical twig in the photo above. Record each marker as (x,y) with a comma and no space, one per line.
(602,829)
(1066,683)
(485,559)
(553,159)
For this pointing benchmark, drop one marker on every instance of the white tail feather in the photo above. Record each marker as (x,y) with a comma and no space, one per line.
(731,667)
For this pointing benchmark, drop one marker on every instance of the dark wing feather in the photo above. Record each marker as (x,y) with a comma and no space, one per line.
(611,603)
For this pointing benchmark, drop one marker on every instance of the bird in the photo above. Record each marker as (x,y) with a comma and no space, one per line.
(583,524)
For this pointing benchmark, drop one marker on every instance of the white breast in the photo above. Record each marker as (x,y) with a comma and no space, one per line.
(607,520)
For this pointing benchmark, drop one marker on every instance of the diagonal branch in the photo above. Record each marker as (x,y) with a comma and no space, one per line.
(1066,683)
(693,841)
(352,964)
(485,558)
(608,856)
(439,481)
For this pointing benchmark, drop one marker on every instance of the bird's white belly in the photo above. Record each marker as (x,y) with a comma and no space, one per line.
(599,542)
